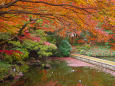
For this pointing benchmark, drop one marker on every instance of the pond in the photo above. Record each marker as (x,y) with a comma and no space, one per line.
(62,75)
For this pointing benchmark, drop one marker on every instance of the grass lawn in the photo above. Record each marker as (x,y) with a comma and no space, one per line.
(102,52)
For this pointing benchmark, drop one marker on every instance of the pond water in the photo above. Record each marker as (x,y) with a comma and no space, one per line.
(62,75)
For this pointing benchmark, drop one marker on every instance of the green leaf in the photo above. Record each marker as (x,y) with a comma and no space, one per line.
(40,20)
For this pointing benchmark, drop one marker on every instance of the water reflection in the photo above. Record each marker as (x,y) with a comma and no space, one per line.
(61,75)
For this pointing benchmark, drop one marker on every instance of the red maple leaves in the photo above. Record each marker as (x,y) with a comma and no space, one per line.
(10,52)
(27,35)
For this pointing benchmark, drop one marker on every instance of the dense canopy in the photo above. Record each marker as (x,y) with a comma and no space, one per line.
(63,16)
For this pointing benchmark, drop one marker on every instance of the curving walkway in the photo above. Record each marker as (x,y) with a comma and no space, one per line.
(96,61)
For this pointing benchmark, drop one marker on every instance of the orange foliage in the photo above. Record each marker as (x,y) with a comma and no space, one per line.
(81,41)
(67,15)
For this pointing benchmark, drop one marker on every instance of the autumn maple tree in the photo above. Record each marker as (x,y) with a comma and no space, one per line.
(67,16)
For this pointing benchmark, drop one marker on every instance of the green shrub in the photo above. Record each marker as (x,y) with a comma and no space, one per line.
(5,69)
(63,45)
(46,50)
(42,49)
(64,48)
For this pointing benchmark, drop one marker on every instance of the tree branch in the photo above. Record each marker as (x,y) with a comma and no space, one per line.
(66,5)
(9,4)
(22,12)
(54,4)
